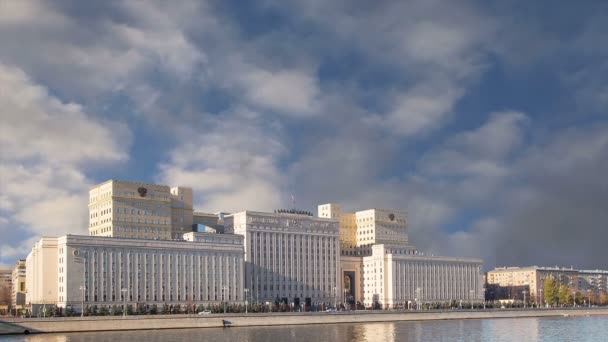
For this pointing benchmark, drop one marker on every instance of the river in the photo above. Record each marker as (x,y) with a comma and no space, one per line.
(554,329)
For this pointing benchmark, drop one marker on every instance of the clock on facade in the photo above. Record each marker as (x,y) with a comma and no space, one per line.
(391,216)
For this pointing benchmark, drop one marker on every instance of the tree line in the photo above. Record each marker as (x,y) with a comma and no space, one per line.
(556,294)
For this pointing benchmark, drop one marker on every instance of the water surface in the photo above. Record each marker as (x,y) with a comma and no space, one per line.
(506,329)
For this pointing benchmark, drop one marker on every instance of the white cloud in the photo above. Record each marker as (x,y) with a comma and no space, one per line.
(231,167)
(168,48)
(36,125)
(421,109)
(46,145)
(482,152)
(544,192)
(439,48)
(429,42)
(285,91)
(25,12)
(86,57)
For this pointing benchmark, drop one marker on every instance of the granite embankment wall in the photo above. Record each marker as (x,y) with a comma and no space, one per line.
(78,324)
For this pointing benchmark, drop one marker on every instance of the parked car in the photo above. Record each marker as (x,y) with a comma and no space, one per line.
(204,312)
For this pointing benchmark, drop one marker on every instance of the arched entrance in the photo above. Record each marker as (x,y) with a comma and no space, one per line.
(348,295)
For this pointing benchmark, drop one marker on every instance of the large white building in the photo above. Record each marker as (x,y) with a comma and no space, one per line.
(290,256)
(379,267)
(142,249)
(394,276)
(72,270)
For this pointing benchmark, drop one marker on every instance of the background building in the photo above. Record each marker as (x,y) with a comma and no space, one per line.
(593,280)
(379,268)
(205,222)
(18,285)
(139,211)
(534,277)
(75,270)
(291,256)
(5,290)
(41,271)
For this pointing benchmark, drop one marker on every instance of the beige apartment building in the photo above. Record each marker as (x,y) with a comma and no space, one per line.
(534,277)
(593,280)
(139,211)
(379,267)
(367,227)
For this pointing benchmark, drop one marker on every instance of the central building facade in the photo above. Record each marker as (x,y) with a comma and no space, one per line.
(289,256)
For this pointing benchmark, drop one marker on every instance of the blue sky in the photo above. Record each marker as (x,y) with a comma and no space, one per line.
(486,121)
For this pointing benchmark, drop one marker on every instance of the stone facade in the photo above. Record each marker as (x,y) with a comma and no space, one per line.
(292,257)
(104,271)
(41,272)
(395,276)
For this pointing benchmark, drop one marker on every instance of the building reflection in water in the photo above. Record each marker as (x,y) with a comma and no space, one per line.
(381,332)
(527,329)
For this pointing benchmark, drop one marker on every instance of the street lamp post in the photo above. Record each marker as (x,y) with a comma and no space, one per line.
(224,297)
(43,309)
(573,299)
(124,300)
(541,297)
(81,260)
(484,297)
(246,302)
(257,290)
(471,292)
(335,299)
(82,288)
(524,298)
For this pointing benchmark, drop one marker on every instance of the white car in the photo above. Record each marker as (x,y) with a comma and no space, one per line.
(205,312)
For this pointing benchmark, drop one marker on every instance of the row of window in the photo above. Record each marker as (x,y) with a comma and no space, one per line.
(144,212)
(138,220)
(142,229)
(150,195)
